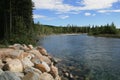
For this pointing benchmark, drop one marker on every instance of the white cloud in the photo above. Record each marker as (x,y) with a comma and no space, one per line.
(87,14)
(36,16)
(97,4)
(61,7)
(64,16)
(105,11)
(93,14)
(56,5)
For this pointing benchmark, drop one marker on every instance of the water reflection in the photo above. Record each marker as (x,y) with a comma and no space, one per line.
(100,55)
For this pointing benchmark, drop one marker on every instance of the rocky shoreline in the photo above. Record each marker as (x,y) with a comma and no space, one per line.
(25,62)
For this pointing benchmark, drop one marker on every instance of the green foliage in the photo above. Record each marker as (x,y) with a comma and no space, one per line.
(106,29)
(48,29)
(16,21)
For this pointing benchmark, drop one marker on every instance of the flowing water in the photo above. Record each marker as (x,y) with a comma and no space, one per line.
(101,56)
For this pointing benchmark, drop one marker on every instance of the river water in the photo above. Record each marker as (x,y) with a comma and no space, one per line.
(101,56)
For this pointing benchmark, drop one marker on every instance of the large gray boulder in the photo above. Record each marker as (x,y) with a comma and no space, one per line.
(7,75)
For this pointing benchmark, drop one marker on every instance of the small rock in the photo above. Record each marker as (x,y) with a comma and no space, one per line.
(46,76)
(25,48)
(66,74)
(30,47)
(7,75)
(71,76)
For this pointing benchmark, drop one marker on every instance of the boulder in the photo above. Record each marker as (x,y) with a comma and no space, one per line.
(46,59)
(31,76)
(1,71)
(26,55)
(43,67)
(41,57)
(1,64)
(10,53)
(13,65)
(5,52)
(36,60)
(7,75)
(40,67)
(46,76)
(6,60)
(16,53)
(26,62)
(36,53)
(54,71)
(32,69)
(42,51)
(15,46)
(46,66)
(21,75)
(58,78)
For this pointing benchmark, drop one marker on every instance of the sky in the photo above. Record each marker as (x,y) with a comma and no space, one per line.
(77,12)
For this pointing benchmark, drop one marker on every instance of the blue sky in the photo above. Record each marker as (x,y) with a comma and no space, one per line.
(77,12)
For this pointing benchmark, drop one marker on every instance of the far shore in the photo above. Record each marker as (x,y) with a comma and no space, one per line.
(107,35)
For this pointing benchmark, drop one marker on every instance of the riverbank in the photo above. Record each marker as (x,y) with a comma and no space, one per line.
(22,62)
(106,35)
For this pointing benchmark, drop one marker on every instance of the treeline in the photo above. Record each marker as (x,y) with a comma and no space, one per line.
(49,29)
(104,29)
(16,22)
(108,29)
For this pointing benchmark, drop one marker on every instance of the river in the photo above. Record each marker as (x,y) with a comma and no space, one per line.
(99,56)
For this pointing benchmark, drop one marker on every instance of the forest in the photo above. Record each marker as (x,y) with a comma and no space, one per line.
(16,21)
(17,24)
